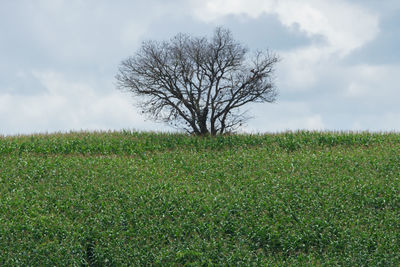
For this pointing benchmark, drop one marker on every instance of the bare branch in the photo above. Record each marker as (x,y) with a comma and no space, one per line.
(198,84)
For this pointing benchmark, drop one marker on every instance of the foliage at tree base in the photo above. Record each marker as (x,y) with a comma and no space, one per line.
(134,199)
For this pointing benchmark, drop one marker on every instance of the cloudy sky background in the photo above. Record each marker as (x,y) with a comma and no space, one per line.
(340,67)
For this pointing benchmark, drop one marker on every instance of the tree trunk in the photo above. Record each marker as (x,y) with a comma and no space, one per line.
(202,122)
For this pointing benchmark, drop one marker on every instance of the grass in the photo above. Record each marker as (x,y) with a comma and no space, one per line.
(134,199)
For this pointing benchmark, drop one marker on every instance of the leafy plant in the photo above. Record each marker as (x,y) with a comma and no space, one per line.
(129,198)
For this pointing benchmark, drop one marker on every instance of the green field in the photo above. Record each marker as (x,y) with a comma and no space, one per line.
(136,199)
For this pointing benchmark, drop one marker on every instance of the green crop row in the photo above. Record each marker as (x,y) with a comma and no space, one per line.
(129,142)
(294,199)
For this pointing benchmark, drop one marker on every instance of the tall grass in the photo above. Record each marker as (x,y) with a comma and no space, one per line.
(130,142)
(133,199)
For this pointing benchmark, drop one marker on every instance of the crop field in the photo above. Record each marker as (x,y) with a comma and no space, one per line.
(138,199)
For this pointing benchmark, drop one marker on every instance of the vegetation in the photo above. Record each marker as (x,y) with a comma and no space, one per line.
(128,198)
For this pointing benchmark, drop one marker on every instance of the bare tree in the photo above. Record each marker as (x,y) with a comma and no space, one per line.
(199,84)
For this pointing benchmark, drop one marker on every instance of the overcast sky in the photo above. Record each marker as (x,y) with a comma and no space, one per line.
(340,67)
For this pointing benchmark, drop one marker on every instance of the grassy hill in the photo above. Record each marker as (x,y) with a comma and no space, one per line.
(127,198)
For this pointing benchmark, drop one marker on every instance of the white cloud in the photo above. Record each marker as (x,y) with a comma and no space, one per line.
(342,26)
(79,44)
(299,69)
(286,115)
(82,41)
(389,121)
(69,105)
(345,26)
(210,10)
(131,33)
(373,82)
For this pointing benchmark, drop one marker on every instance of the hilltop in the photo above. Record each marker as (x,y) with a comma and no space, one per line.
(129,198)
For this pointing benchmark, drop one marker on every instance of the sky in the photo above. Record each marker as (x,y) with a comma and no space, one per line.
(339,68)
